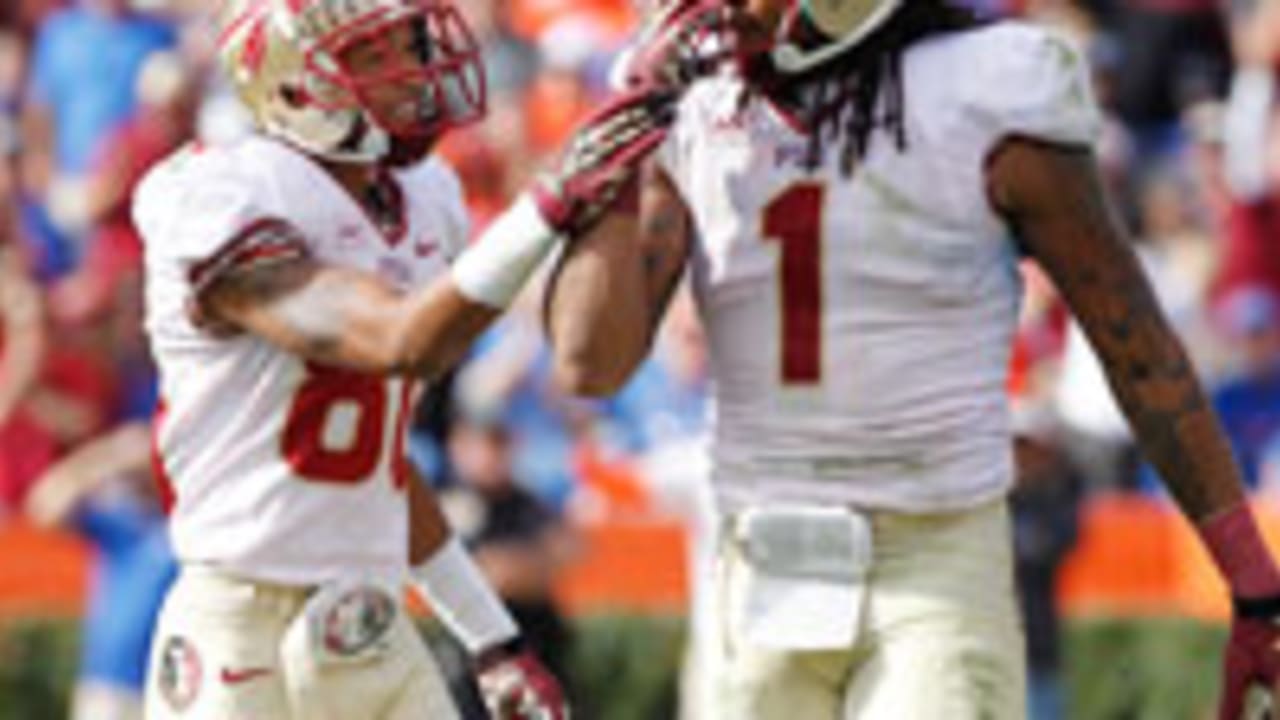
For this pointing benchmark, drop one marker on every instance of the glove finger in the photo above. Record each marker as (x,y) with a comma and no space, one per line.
(612,163)
(627,156)
(602,137)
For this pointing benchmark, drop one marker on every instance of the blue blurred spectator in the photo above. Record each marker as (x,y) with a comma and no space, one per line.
(135,564)
(1249,401)
(508,376)
(83,72)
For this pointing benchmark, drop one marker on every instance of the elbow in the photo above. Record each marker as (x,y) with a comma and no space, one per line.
(577,376)
(407,360)
(426,353)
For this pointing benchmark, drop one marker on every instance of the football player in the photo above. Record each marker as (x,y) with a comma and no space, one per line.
(299,285)
(853,199)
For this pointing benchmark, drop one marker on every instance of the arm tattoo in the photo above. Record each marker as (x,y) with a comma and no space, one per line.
(667,246)
(307,315)
(1079,241)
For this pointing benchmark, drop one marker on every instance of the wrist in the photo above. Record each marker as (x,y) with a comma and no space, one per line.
(1238,549)
(549,199)
(494,269)
(464,600)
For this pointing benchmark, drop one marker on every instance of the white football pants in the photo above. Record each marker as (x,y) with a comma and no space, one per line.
(940,637)
(219,654)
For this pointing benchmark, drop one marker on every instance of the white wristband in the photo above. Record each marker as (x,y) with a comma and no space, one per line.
(463,599)
(498,263)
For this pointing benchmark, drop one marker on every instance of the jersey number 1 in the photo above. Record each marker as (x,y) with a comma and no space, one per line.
(794,220)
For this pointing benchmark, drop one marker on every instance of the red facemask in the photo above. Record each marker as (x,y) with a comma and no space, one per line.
(443,65)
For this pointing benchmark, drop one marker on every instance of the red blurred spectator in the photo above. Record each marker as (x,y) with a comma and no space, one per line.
(168,96)
(1252,162)
(24,449)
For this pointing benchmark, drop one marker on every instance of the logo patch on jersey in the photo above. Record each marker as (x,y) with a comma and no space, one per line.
(791,154)
(425,247)
(356,621)
(729,122)
(350,237)
(395,271)
(180,673)
(238,677)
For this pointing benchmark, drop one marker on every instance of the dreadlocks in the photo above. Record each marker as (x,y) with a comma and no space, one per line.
(841,98)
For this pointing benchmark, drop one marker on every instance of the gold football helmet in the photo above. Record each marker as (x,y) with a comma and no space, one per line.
(289,61)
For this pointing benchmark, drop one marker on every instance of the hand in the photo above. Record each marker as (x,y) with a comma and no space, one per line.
(603,156)
(1257,36)
(1252,661)
(680,41)
(516,686)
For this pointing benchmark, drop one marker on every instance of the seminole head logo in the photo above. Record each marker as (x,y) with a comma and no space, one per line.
(180,673)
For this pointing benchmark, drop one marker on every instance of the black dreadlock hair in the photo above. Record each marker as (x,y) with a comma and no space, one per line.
(840,97)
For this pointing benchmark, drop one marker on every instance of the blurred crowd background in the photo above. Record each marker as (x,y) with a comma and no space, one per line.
(582,512)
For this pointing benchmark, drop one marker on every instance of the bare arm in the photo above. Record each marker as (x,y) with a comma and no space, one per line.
(428,528)
(37,148)
(1054,198)
(349,318)
(612,286)
(22,320)
(59,491)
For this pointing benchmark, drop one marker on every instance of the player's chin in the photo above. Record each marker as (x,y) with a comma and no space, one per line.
(410,150)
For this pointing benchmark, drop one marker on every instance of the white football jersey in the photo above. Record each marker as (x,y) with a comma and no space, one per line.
(860,326)
(282,471)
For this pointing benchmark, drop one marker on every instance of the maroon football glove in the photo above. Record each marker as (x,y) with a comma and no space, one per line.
(681,41)
(603,156)
(515,685)
(1252,659)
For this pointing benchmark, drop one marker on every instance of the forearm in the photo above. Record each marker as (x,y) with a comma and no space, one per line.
(436,327)
(445,319)
(62,487)
(428,528)
(446,575)
(1055,200)
(1180,434)
(1173,423)
(613,287)
(598,311)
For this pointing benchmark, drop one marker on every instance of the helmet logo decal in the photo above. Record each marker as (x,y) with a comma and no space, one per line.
(255,46)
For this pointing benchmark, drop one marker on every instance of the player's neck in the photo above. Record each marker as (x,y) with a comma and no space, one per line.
(373,188)
(355,178)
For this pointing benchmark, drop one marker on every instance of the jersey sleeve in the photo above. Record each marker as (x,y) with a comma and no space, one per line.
(1034,83)
(208,221)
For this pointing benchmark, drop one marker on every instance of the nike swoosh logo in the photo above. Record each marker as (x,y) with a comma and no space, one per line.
(235,677)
